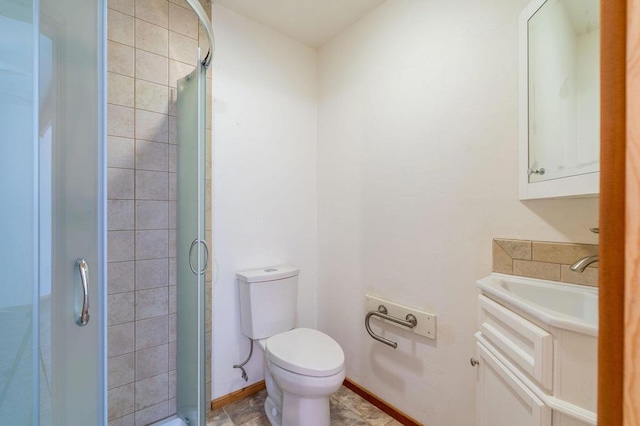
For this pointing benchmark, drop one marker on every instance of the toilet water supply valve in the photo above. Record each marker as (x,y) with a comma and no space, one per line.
(241,365)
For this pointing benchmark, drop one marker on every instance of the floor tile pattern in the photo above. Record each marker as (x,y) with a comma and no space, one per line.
(347,408)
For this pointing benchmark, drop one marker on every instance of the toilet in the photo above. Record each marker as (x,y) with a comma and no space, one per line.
(302,366)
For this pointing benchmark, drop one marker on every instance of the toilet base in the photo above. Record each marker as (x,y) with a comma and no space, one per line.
(305,411)
(298,411)
(273,412)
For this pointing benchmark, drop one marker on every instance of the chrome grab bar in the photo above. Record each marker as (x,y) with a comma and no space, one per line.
(83,319)
(410,321)
(206,257)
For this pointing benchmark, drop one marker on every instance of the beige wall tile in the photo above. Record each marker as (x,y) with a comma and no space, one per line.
(120,121)
(120,90)
(124,6)
(120,244)
(152,38)
(152,361)
(151,244)
(121,339)
(565,253)
(128,420)
(531,269)
(209,118)
(173,102)
(121,277)
(173,130)
(182,3)
(152,156)
(152,273)
(152,67)
(173,185)
(183,21)
(173,158)
(152,97)
(173,299)
(152,303)
(152,126)
(208,205)
(154,11)
(151,332)
(183,48)
(516,249)
(173,324)
(120,184)
(172,271)
(588,277)
(120,308)
(152,214)
(120,152)
(209,157)
(502,262)
(172,356)
(120,58)
(152,414)
(152,391)
(172,383)
(120,28)
(121,401)
(152,185)
(208,319)
(120,215)
(172,243)
(173,215)
(178,70)
(149,185)
(121,370)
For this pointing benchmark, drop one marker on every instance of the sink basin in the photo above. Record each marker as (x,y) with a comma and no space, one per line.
(568,306)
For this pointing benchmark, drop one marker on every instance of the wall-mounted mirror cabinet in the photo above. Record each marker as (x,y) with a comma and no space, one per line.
(559,99)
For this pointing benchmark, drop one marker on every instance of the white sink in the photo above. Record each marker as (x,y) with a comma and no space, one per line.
(568,306)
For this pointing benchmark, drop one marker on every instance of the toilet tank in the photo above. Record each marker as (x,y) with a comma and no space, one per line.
(268,300)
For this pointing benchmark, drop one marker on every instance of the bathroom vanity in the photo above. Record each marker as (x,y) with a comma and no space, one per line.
(536,352)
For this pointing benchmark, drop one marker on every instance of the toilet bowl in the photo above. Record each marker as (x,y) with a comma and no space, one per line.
(302,366)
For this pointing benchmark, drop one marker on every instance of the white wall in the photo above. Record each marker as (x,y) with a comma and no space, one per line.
(417,163)
(264,174)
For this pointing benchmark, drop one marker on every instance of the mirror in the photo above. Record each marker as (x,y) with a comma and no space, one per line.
(562,94)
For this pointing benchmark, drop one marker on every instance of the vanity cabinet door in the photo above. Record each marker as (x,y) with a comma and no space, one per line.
(503,400)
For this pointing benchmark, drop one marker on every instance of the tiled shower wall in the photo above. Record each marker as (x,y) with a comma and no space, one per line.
(544,260)
(151,44)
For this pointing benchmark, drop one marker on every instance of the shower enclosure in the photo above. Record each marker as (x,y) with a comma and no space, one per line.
(53,240)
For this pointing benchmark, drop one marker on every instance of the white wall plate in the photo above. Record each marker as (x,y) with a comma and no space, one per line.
(426,322)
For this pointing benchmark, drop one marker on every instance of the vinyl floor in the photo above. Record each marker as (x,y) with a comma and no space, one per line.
(347,408)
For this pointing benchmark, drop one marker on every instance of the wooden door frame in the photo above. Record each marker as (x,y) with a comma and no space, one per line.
(619,336)
(631,380)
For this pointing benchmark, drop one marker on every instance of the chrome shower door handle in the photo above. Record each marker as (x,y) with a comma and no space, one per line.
(83,319)
(206,257)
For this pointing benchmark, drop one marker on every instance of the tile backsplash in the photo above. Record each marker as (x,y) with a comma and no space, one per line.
(544,260)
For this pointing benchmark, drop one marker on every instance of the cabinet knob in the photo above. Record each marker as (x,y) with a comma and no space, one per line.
(474,362)
(535,172)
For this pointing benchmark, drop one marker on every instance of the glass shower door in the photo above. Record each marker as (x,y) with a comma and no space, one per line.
(51,214)
(192,252)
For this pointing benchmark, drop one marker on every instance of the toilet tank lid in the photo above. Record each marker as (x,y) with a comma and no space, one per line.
(267,274)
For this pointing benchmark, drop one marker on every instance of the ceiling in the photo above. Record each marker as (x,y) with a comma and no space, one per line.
(313,22)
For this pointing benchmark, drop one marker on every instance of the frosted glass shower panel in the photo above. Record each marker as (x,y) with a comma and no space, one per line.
(51,179)
(18,215)
(191,248)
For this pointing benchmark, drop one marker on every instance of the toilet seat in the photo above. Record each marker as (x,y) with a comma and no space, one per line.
(307,352)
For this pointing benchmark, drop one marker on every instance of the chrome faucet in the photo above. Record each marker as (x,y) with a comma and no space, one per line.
(582,264)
